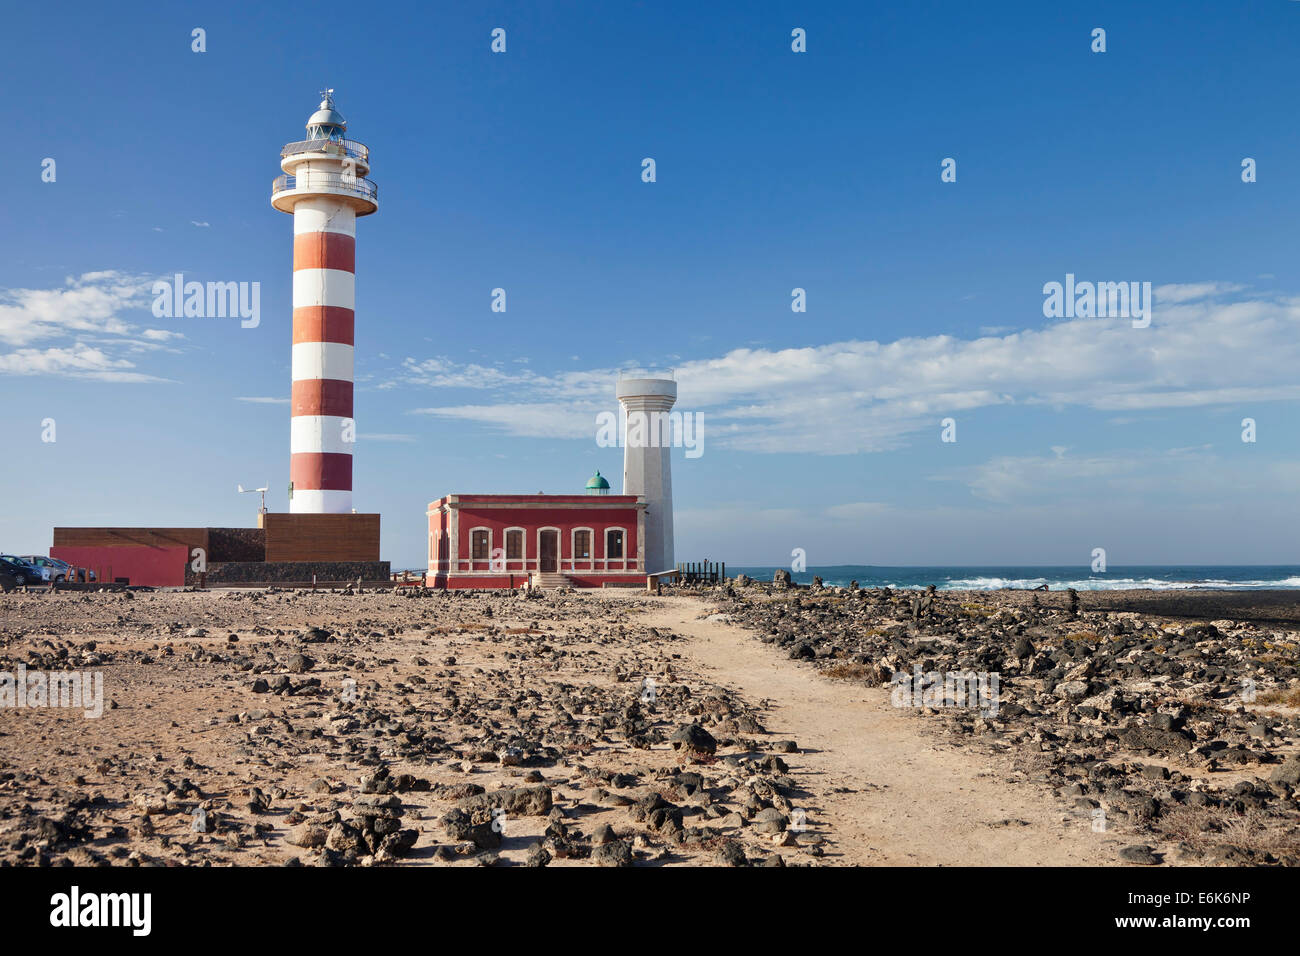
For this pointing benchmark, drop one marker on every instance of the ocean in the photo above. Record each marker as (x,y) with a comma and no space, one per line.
(1157,577)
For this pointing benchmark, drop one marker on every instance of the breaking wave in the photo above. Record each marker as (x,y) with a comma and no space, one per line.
(1224,577)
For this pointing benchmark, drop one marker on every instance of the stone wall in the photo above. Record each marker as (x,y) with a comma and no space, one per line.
(293,572)
(236,544)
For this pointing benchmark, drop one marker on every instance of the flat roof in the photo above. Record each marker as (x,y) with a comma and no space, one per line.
(595,501)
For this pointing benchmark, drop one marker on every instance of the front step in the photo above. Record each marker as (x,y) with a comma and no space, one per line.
(549,579)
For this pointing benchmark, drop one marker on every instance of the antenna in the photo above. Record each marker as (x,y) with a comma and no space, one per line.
(255,491)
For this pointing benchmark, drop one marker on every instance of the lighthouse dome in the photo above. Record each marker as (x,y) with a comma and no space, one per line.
(326,122)
(597,485)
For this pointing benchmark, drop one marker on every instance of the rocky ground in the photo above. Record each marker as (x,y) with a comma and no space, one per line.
(1147,718)
(305,728)
(276,727)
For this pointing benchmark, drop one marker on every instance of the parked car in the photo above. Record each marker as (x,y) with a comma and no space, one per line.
(22,572)
(70,573)
(62,570)
(53,568)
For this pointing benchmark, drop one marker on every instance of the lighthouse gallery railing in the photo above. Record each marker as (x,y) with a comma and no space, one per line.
(348,147)
(333,182)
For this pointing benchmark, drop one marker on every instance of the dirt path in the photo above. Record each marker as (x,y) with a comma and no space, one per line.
(906,800)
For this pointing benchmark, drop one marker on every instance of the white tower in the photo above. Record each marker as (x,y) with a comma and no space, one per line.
(324,189)
(647,468)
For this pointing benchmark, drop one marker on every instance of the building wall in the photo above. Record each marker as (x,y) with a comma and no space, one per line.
(159,557)
(439,539)
(144,556)
(456,582)
(532,522)
(453,521)
(321,537)
(141,565)
(147,537)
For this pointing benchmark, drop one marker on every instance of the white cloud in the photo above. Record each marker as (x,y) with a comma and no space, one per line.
(89,314)
(1019,478)
(443,373)
(262,400)
(852,396)
(1098,483)
(1191,291)
(79,361)
(92,303)
(526,421)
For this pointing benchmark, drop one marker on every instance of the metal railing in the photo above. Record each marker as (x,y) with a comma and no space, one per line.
(327,182)
(336,147)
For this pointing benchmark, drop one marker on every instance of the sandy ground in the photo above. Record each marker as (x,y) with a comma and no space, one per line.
(886,791)
(469,695)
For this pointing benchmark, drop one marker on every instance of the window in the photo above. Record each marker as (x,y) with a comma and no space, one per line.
(614,543)
(514,545)
(478,545)
(582,544)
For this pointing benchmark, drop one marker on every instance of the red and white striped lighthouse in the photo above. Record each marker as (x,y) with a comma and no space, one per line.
(325,189)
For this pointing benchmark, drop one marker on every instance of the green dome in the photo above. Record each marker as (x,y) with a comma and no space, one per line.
(597,485)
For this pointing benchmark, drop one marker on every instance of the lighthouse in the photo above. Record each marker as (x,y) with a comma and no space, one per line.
(324,188)
(647,466)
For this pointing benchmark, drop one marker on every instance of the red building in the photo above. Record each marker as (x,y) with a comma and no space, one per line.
(495,541)
(284,548)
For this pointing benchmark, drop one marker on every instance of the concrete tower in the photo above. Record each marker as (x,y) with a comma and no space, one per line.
(647,468)
(325,190)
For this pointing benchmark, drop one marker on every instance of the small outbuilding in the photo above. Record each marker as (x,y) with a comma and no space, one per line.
(504,541)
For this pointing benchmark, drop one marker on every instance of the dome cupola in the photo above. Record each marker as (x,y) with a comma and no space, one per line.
(326,122)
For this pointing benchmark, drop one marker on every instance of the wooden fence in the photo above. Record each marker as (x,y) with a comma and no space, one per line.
(703,572)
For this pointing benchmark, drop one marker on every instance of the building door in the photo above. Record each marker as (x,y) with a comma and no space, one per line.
(550,551)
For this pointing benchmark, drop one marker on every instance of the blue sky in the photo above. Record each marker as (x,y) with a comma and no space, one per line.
(775,170)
